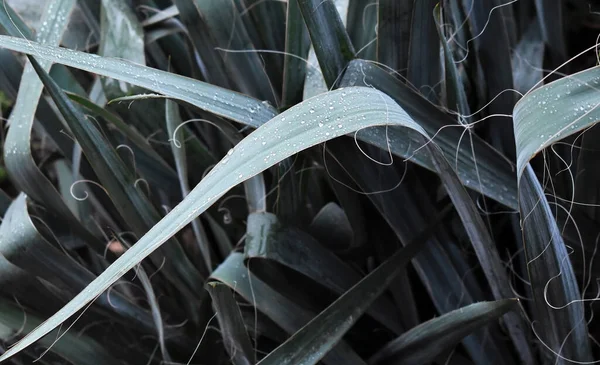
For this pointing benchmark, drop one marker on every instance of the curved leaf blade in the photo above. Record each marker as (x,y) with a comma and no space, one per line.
(298,128)
(541,118)
(423,343)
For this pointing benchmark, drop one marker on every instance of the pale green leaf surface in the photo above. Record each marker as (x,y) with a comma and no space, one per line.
(217,100)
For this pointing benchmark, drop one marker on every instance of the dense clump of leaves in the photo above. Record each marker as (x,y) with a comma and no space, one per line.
(298,182)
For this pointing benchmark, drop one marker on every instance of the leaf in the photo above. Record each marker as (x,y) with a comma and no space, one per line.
(273,247)
(328,36)
(550,18)
(332,228)
(254,113)
(245,69)
(541,118)
(297,44)
(237,342)
(492,46)
(424,69)
(528,59)
(315,339)
(455,94)
(306,125)
(24,246)
(173,120)
(423,343)
(442,271)
(211,65)
(493,170)
(223,102)
(362,27)
(18,158)
(394,33)
(122,37)
(4,202)
(156,169)
(119,181)
(487,254)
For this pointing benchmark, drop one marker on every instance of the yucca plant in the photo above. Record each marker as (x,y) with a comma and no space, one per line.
(299,182)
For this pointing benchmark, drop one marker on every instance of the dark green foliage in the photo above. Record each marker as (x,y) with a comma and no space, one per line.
(311,181)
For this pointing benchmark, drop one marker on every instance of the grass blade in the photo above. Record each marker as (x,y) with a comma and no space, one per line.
(313,341)
(423,57)
(285,313)
(393,33)
(297,44)
(542,117)
(328,36)
(17,147)
(423,343)
(235,336)
(122,37)
(487,254)
(119,181)
(173,120)
(273,247)
(222,102)
(229,32)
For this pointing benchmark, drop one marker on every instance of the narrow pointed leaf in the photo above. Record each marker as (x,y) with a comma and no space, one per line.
(235,336)
(328,36)
(297,43)
(423,343)
(119,181)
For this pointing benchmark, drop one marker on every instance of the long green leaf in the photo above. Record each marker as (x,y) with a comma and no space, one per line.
(313,341)
(542,118)
(217,100)
(297,45)
(393,33)
(328,36)
(487,254)
(270,241)
(494,175)
(251,112)
(119,181)
(423,343)
(285,313)
(298,128)
(17,147)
